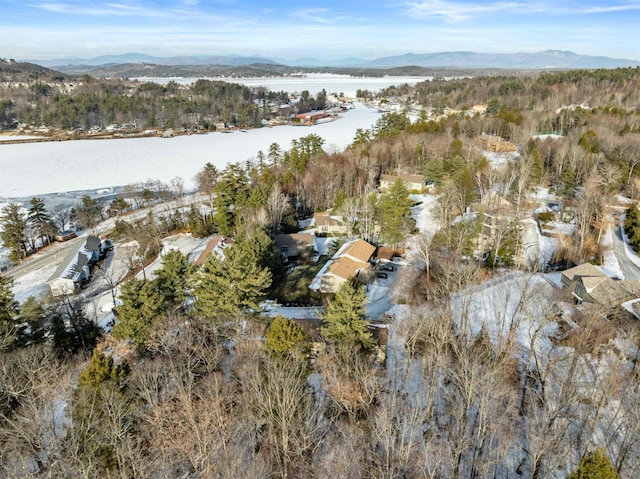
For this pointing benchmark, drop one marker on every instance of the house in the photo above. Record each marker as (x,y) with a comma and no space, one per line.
(215,246)
(353,260)
(329,225)
(312,116)
(495,143)
(294,245)
(589,284)
(413,182)
(76,267)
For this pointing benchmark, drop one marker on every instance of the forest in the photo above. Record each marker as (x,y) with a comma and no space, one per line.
(193,381)
(55,100)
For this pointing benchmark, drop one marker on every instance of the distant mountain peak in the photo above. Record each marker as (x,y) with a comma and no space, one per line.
(454,59)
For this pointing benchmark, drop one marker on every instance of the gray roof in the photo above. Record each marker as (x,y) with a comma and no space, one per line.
(79,256)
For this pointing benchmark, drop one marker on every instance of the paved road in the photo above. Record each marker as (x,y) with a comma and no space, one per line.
(628,267)
(54,253)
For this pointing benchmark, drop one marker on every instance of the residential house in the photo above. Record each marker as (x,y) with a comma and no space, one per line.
(353,260)
(495,143)
(294,245)
(329,225)
(589,284)
(413,182)
(215,246)
(76,267)
(312,117)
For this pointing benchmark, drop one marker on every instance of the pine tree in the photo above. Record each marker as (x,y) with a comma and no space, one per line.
(230,284)
(595,465)
(174,277)
(32,313)
(632,226)
(14,225)
(8,313)
(40,221)
(262,247)
(141,305)
(345,317)
(101,369)
(568,182)
(71,329)
(285,336)
(395,212)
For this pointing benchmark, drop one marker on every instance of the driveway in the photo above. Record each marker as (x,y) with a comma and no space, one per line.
(628,267)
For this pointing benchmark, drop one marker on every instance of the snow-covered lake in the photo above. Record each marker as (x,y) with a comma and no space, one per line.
(312,82)
(31,169)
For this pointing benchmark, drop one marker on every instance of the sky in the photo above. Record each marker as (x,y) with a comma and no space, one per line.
(328,29)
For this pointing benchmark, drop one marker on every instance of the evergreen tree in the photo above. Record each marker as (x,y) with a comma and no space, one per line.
(71,329)
(632,226)
(88,212)
(40,221)
(32,313)
(101,369)
(285,336)
(8,313)
(395,213)
(173,278)
(232,192)
(595,465)
(14,226)
(345,317)
(262,247)
(568,182)
(231,284)
(141,305)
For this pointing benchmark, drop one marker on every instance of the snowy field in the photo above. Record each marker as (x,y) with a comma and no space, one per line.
(312,82)
(39,168)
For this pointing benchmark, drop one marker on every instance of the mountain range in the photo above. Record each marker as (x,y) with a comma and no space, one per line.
(459,59)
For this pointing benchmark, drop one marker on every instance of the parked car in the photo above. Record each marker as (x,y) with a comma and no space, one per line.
(385,267)
(382,275)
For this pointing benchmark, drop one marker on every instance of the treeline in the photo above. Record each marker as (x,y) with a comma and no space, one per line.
(98,103)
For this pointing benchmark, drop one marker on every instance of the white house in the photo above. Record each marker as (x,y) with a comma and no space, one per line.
(76,266)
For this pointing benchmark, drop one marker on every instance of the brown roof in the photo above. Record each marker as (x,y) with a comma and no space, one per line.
(323,219)
(385,252)
(405,178)
(606,290)
(359,250)
(297,239)
(583,270)
(211,245)
(346,267)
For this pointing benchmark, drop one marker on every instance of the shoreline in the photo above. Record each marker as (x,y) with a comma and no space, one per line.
(166,133)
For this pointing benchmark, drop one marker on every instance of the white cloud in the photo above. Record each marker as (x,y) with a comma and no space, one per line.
(315,15)
(453,11)
(456,11)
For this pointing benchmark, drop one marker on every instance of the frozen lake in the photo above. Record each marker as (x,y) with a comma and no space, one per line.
(32,169)
(312,82)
